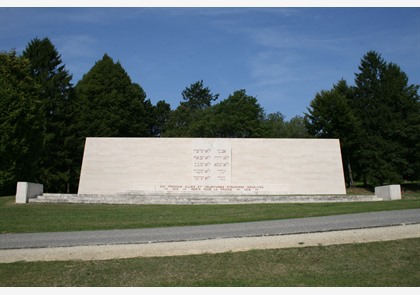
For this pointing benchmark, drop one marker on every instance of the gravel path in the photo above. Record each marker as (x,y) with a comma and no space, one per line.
(104,252)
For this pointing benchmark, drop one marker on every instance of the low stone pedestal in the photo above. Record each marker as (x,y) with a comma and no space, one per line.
(27,190)
(388,192)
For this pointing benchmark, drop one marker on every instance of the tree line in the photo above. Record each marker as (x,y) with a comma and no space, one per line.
(45,119)
(377,121)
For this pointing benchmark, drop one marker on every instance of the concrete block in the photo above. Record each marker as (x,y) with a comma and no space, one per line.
(27,190)
(388,192)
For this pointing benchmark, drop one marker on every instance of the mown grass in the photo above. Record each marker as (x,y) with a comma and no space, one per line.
(379,264)
(394,263)
(32,217)
(18,218)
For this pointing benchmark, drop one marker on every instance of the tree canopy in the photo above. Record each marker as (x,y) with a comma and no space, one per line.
(330,116)
(57,167)
(110,104)
(197,99)
(20,124)
(45,120)
(240,115)
(377,121)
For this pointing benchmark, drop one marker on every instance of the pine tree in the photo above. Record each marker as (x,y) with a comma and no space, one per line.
(20,124)
(161,114)
(110,104)
(388,110)
(198,97)
(57,161)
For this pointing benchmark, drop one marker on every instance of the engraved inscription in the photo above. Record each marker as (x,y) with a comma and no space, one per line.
(214,188)
(211,162)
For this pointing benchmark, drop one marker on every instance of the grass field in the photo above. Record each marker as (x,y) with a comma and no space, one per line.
(17,218)
(393,263)
(36,217)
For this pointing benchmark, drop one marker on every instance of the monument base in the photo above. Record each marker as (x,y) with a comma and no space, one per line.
(136,198)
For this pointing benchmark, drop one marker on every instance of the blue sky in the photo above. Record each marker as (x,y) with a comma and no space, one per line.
(283,56)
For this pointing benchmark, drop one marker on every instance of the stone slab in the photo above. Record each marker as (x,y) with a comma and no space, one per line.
(389,192)
(27,190)
(184,199)
(212,166)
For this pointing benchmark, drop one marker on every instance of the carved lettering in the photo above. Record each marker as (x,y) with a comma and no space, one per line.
(215,188)
(215,157)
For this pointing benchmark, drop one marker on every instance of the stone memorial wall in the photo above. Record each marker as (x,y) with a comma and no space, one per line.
(211,166)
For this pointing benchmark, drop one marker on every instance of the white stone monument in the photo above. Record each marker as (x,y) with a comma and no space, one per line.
(388,192)
(202,166)
(27,190)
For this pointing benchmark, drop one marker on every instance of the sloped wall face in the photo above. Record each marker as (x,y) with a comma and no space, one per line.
(211,166)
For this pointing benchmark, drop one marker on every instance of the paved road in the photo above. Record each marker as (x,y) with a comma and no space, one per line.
(205,232)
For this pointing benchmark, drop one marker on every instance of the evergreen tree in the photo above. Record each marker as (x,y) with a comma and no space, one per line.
(20,123)
(402,121)
(388,110)
(377,121)
(198,97)
(57,161)
(161,114)
(110,104)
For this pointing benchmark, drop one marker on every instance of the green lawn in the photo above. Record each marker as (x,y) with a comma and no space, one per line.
(36,217)
(393,263)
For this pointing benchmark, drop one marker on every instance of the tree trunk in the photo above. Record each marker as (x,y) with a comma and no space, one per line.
(351,182)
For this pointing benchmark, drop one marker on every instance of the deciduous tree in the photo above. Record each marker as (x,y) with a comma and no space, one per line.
(330,116)
(278,127)
(240,115)
(196,100)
